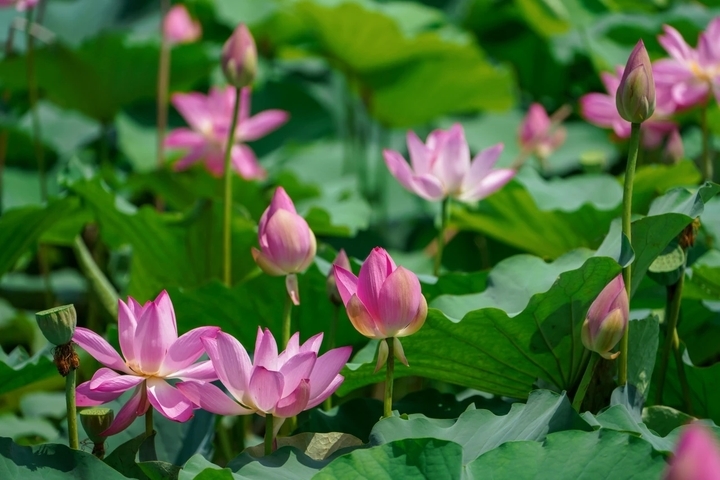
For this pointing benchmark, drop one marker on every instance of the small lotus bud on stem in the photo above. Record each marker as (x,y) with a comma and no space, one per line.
(331,285)
(95,421)
(239,58)
(635,97)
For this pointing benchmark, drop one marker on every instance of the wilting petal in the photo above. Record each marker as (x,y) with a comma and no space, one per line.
(201,371)
(186,349)
(373,273)
(266,264)
(326,370)
(361,318)
(127,325)
(346,283)
(209,397)
(294,403)
(129,412)
(481,166)
(261,124)
(399,352)
(383,352)
(296,369)
(493,182)
(108,381)
(265,388)
(99,349)
(84,397)
(266,350)
(398,302)
(168,400)
(246,163)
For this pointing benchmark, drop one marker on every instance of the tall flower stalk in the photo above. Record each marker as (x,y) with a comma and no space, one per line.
(635,102)
(444,217)
(228,196)
(163,85)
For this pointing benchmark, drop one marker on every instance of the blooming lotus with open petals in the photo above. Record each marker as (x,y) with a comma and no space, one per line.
(180,27)
(607,319)
(152,353)
(384,301)
(696,457)
(287,245)
(600,109)
(441,167)
(538,134)
(690,74)
(210,119)
(281,385)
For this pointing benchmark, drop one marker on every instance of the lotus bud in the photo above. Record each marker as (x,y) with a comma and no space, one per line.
(635,97)
(607,319)
(58,324)
(179,27)
(239,58)
(697,455)
(343,261)
(95,421)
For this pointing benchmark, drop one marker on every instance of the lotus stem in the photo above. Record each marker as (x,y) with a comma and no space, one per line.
(707,164)
(70,384)
(627,231)
(227,205)
(269,437)
(287,320)
(103,288)
(444,214)
(163,86)
(674,299)
(327,405)
(387,411)
(585,382)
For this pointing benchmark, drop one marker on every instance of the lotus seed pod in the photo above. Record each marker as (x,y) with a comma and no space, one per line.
(95,421)
(58,324)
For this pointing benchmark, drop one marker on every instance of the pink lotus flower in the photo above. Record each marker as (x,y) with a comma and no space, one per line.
(607,319)
(341,260)
(384,301)
(441,167)
(690,74)
(180,27)
(153,353)
(282,385)
(287,244)
(20,5)
(239,58)
(600,109)
(697,456)
(209,118)
(538,133)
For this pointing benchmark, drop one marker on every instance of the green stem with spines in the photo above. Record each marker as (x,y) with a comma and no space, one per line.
(444,214)
(387,406)
(633,150)
(70,385)
(228,198)
(585,382)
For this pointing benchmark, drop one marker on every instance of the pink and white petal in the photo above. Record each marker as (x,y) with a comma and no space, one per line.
(136,309)
(373,272)
(312,344)
(266,263)
(326,370)
(316,400)
(399,351)
(675,44)
(186,349)
(420,157)
(292,349)
(201,371)
(109,381)
(429,187)
(261,124)
(295,370)
(166,311)
(194,108)
(184,138)
(155,334)
(493,182)
(294,403)
(599,109)
(399,169)
(128,413)
(361,319)
(690,93)
(265,389)
(191,158)
(231,361)
(346,283)
(611,82)
(482,165)
(168,400)
(246,164)
(266,350)
(453,159)
(399,301)
(85,397)
(127,325)
(416,322)
(289,240)
(99,349)
(209,397)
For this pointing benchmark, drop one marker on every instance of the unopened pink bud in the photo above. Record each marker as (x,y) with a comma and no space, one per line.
(179,26)
(635,97)
(607,319)
(343,261)
(239,58)
(697,455)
